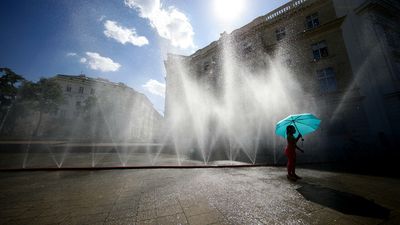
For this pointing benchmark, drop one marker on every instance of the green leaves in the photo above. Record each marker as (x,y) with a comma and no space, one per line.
(9,82)
(44,95)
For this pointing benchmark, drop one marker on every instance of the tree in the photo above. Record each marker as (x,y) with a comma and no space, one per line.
(90,106)
(8,86)
(9,82)
(45,96)
(94,118)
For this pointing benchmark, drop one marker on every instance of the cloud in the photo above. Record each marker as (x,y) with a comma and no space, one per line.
(97,62)
(123,34)
(170,23)
(71,54)
(155,87)
(101,18)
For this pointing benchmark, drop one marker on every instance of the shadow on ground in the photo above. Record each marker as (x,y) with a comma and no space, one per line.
(343,202)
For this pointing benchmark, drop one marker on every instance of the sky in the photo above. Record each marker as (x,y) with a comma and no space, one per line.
(120,40)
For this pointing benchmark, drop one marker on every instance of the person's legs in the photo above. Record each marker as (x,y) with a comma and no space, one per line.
(293,172)
(290,168)
(290,164)
(287,164)
(294,168)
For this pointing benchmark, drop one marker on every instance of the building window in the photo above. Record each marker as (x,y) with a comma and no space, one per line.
(62,113)
(288,62)
(326,79)
(92,91)
(280,33)
(320,50)
(68,88)
(312,21)
(81,90)
(206,66)
(214,60)
(247,50)
(54,112)
(78,104)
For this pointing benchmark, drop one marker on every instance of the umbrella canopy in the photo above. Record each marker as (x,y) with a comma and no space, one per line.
(304,123)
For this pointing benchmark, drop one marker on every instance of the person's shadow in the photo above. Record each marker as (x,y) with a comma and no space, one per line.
(343,202)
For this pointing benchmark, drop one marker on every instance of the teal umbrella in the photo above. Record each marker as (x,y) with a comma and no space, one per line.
(304,123)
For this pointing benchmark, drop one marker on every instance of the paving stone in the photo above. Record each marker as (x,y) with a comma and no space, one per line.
(125,221)
(394,217)
(198,209)
(56,212)
(146,215)
(365,220)
(190,202)
(177,219)
(169,210)
(31,213)
(124,206)
(18,222)
(54,219)
(115,215)
(225,222)
(325,216)
(148,197)
(340,220)
(146,207)
(12,212)
(87,219)
(206,218)
(147,222)
(166,202)
(267,220)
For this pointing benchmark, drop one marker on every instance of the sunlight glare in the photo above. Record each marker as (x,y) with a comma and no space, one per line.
(228,10)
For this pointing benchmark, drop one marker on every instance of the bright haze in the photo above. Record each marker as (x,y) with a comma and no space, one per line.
(121,40)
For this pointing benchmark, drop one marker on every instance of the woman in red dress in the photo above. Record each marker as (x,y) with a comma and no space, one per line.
(290,152)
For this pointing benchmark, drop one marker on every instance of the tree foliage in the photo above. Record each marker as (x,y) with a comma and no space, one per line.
(44,96)
(8,86)
(90,106)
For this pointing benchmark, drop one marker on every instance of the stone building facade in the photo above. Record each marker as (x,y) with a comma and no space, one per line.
(100,109)
(371,34)
(345,55)
(93,110)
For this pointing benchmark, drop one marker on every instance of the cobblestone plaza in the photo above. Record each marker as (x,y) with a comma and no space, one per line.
(258,195)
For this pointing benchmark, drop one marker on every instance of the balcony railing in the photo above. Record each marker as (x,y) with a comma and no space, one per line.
(284,8)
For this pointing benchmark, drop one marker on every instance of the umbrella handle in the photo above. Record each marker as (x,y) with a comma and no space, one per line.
(302,139)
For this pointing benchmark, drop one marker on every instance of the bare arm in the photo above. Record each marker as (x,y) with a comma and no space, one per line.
(301,150)
(298,137)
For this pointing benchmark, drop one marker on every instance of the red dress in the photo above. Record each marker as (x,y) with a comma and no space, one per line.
(290,152)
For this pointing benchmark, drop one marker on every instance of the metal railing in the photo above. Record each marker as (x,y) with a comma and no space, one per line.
(284,8)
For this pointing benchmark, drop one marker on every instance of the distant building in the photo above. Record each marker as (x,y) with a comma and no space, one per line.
(94,110)
(346,52)
(121,113)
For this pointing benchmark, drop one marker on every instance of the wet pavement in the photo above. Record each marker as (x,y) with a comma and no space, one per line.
(255,195)
(58,154)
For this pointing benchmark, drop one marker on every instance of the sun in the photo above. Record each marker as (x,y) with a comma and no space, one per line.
(228,10)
